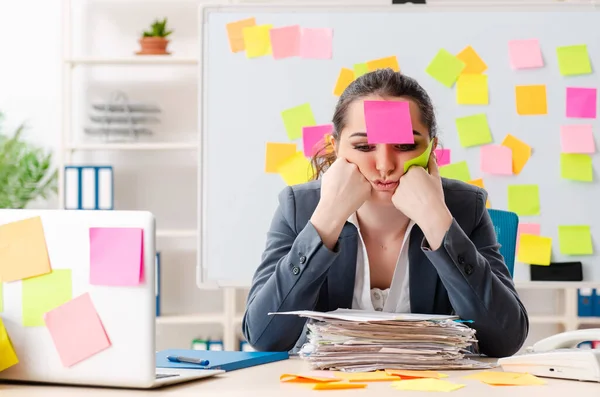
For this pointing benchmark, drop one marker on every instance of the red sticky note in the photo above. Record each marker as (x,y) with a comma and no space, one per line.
(388,122)
(527,228)
(525,54)
(116,256)
(577,138)
(312,136)
(496,159)
(581,102)
(316,43)
(442,156)
(76,330)
(285,41)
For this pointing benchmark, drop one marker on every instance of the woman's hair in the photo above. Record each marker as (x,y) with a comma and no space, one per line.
(382,82)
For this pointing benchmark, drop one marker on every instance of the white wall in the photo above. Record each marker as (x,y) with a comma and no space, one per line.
(164,183)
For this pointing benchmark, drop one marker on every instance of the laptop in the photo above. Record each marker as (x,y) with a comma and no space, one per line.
(79,302)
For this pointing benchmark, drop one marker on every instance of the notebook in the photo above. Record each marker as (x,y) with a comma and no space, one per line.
(224,360)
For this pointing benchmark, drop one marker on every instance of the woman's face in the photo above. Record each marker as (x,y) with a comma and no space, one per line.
(381,164)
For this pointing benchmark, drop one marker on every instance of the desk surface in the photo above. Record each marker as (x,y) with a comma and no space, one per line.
(264,381)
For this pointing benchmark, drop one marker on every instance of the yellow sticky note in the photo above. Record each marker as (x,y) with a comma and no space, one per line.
(296,169)
(506,378)
(458,170)
(531,99)
(407,373)
(383,63)
(575,240)
(472,89)
(524,200)
(576,167)
(426,384)
(339,386)
(8,357)
(573,60)
(521,152)
(276,154)
(445,68)
(472,60)
(235,33)
(257,40)
(23,250)
(360,69)
(534,250)
(473,130)
(44,293)
(297,117)
(374,376)
(344,79)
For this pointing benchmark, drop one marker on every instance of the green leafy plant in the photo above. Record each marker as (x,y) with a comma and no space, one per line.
(158,29)
(25,171)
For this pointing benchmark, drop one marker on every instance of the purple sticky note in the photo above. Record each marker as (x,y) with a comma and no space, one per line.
(581,102)
(388,122)
(314,135)
(116,256)
(316,43)
(442,156)
(285,41)
(496,159)
(577,138)
(525,54)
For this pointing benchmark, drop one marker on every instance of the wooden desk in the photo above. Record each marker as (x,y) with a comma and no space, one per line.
(263,381)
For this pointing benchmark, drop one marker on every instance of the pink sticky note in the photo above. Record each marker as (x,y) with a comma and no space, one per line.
(76,330)
(316,43)
(525,54)
(388,122)
(116,256)
(577,138)
(313,135)
(285,41)
(581,102)
(527,228)
(496,159)
(442,156)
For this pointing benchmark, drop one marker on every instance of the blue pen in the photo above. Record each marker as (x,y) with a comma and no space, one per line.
(191,360)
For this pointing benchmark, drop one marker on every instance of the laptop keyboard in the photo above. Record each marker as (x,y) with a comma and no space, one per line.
(161,376)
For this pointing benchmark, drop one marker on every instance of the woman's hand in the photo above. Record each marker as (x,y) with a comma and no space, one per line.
(420,197)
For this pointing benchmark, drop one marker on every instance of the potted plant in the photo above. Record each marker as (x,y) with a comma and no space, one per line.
(154,41)
(25,171)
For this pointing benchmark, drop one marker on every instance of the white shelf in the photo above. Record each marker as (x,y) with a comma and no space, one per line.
(176,233)
(209,318)
(135,146)
(556,284)
(134,60)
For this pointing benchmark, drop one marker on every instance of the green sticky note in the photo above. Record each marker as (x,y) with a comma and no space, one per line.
(575,240)
(43,293)
(576,166)
(297,117)
(473,130)
(360,69)
(445,68)
(524,199)
(459,170)
(573,60)
(421,160)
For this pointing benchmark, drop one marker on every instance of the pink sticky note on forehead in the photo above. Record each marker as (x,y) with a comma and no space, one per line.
(496,159)
(525,54)
(285,41)
(527,228)
(581,102)
(116,256)
(316,43)
(577,138)
(388,122)
(442,156)
(312,136)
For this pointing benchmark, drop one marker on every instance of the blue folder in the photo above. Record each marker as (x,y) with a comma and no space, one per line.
(225,360)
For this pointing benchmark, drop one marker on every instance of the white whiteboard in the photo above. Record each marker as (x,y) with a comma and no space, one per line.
(242,100)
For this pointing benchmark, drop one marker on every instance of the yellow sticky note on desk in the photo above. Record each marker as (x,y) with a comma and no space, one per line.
(524,200)
(8,357)
(257,40)
(406,373)
(576,167)
(296,169)
(339,386)
(534,250)
(310,377)
(472,89)
(575,240)
(531,99)
(506,378)
(573,60)
(426,384)
(472,60)
(44,293)
(375,376)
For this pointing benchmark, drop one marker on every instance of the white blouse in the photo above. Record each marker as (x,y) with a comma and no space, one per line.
(394,299)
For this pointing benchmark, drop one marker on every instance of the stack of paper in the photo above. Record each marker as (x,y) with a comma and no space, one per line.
(356,340)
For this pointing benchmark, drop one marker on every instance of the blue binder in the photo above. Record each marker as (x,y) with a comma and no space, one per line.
(225,360)
(585,302)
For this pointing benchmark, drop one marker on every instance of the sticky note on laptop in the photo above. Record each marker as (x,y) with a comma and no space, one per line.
(43,293)
(388,122)
(8,357)
(116,256)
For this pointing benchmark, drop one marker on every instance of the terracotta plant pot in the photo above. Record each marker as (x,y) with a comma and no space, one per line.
(153,46)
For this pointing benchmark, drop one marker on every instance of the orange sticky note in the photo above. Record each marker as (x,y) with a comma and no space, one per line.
(521,152)
(23,250)
(531,99)
(235,33)
(474,63)
(375,376)
(276,154)
(339,386)
(406,373)
(345,77)
(296,169)
(310,377)
(383,63)
(76,330)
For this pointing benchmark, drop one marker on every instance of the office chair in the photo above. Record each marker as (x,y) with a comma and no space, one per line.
(506,224)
